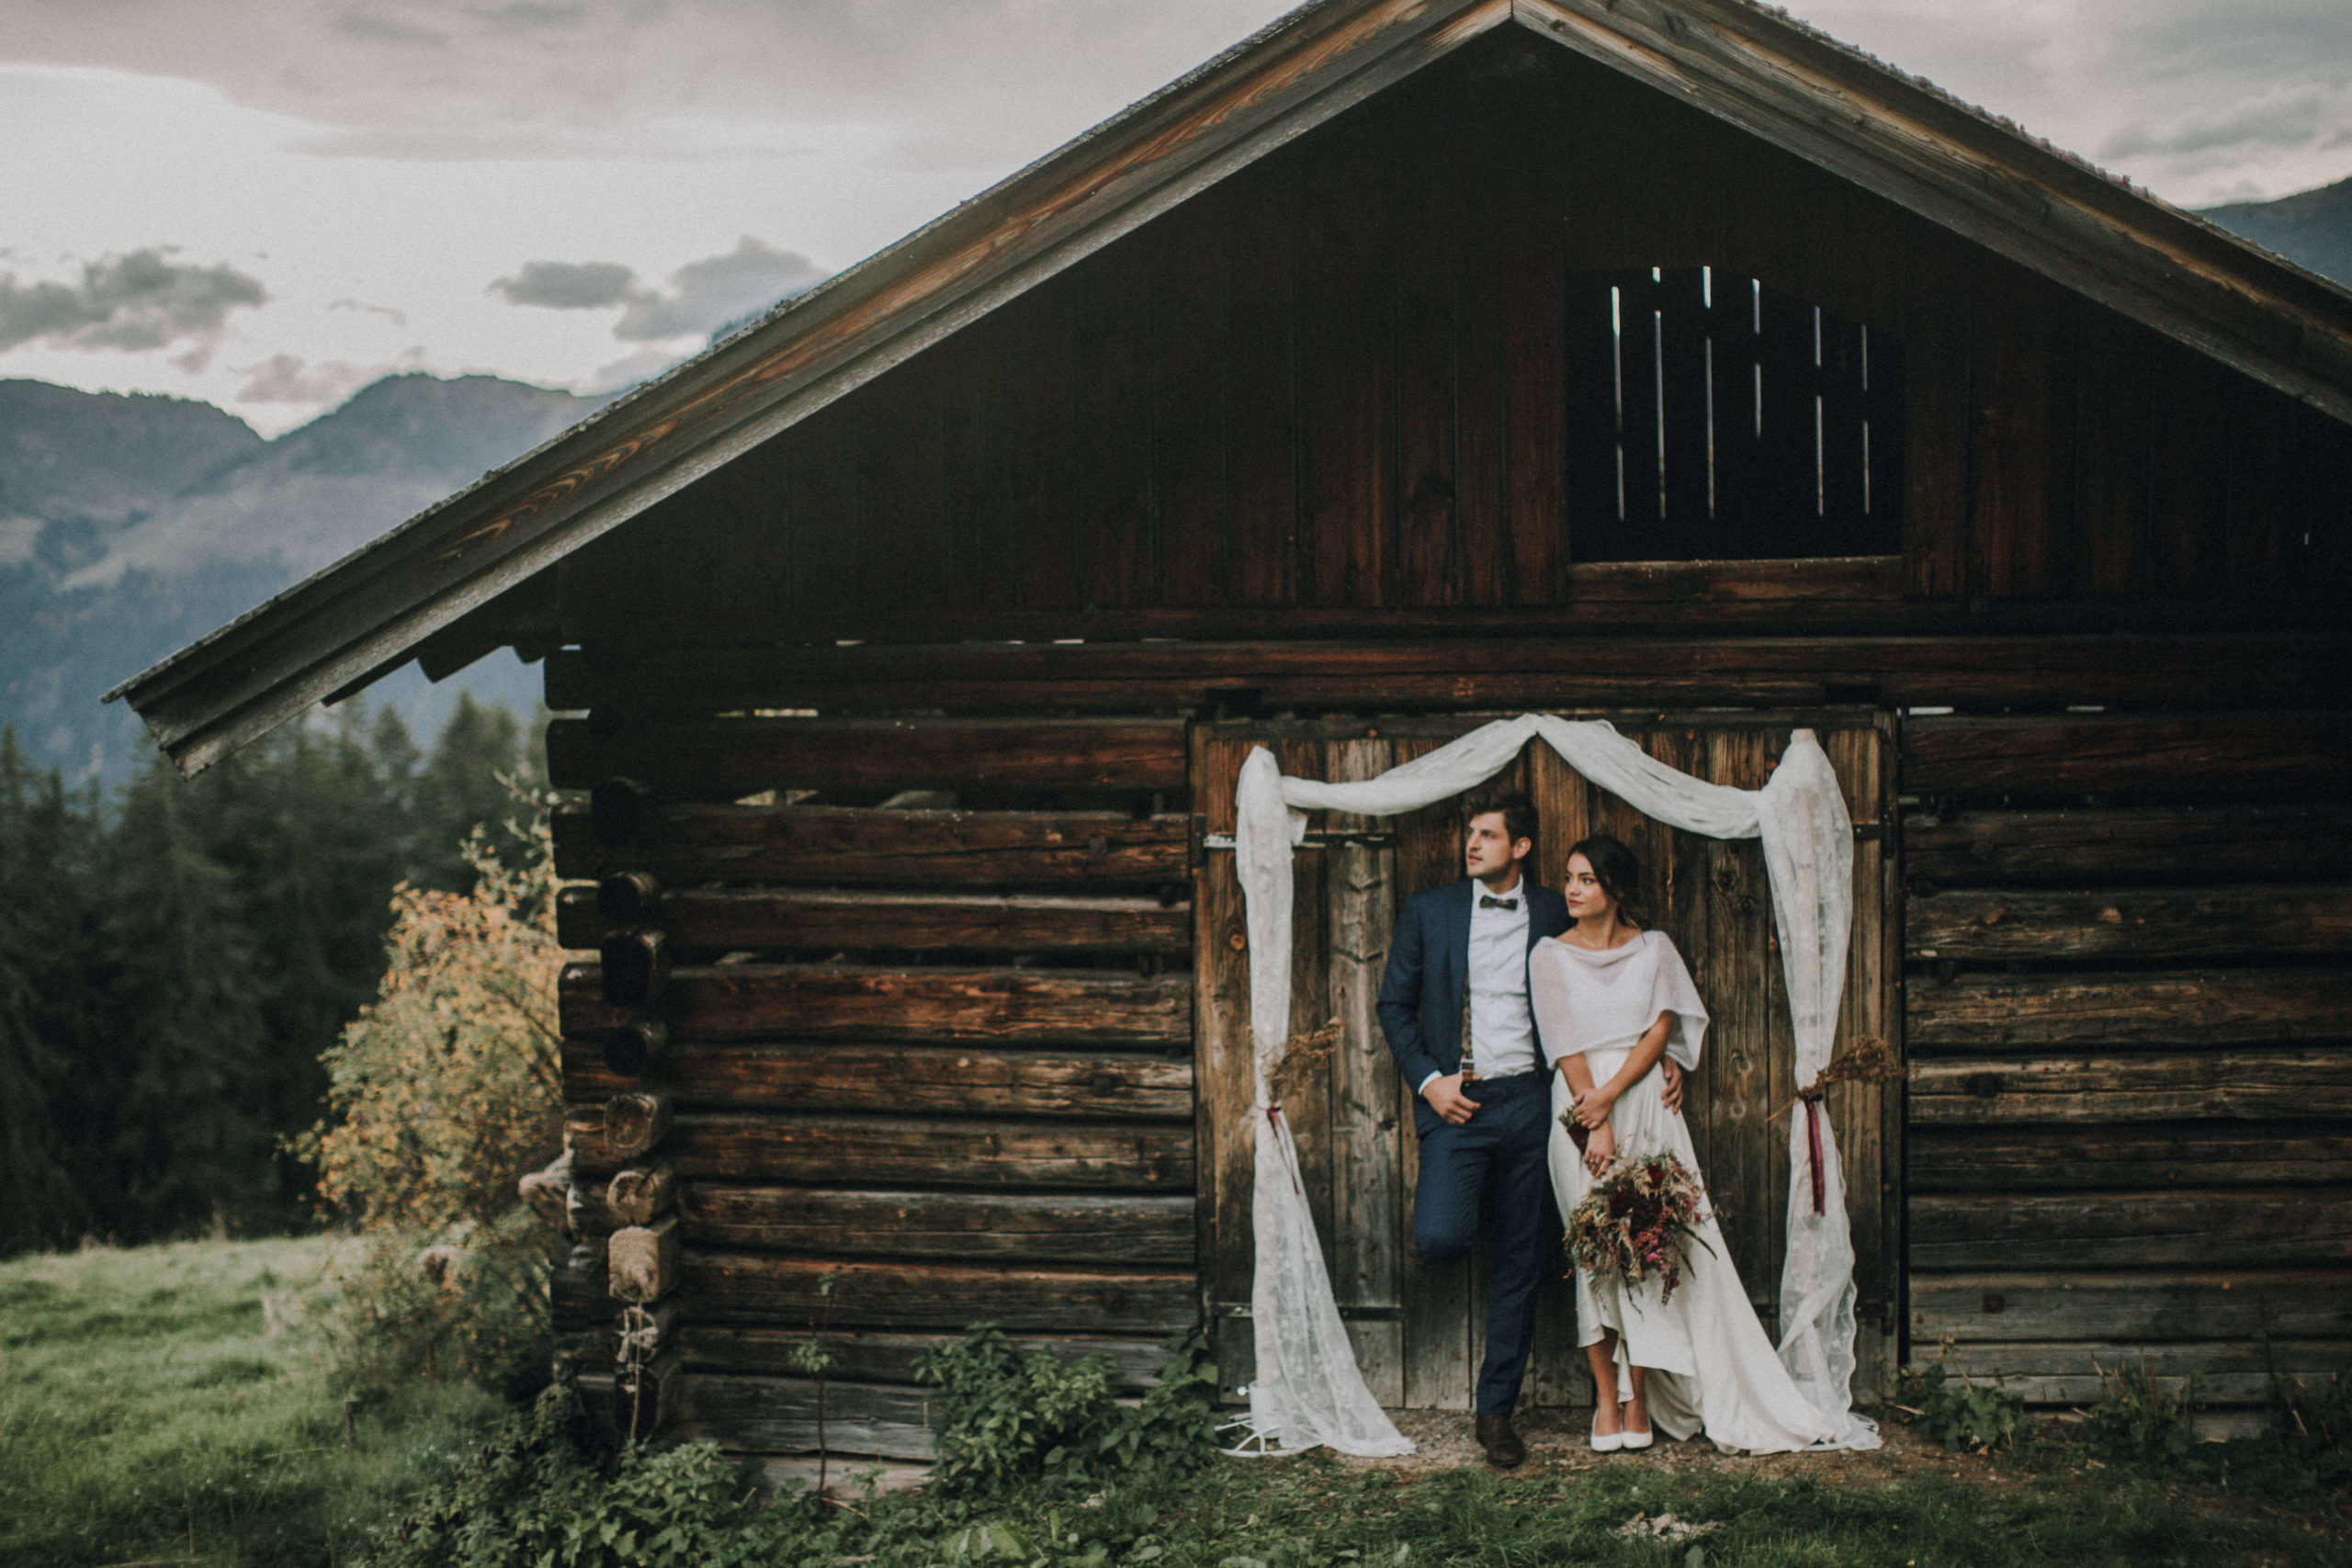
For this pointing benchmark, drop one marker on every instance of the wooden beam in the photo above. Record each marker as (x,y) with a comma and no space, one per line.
(2237,1085)
(865,1355)
(757,1415)
(1456,672)
(1031,1227)
(2289,1303)
(1126,1157)
(784,918)
(2307,752)
(2240,1372)
(2194,925)
(644,1261)
(606,1135)
(917,1080)
(2160,843)
(689,844)
(816,1002)
(2161,1007)
(2128,1155)
(748,1287)
(721,759)
(2211,1229)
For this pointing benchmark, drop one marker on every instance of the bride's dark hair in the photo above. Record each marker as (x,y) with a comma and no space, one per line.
(1618,871)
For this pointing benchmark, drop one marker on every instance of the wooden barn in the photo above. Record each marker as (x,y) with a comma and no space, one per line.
(1419,362)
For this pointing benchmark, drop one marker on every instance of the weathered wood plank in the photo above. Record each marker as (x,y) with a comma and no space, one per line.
(812,1001)
(644,1261)
(908,1080)
(2237,1085)
(748,1287)
(688,844)
(2171,1007)
(2287,1304)
(604,1134)
(2129,754)
(2193,924)
(757,1415)
(1031,1227)
(2159,844)
(784,918)
(2238,1372)
(2128,1155)
(2200,1228)
(721,759)
(878,1356)
(1129,1156)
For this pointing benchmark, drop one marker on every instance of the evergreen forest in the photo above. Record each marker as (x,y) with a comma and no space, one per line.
(174,956)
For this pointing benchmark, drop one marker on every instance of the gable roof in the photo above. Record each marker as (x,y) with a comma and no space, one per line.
(1754,68)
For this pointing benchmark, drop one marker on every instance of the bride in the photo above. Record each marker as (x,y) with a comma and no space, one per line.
(1610,999)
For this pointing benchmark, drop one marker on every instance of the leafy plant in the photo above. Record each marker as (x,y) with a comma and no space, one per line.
(815,1357)
(1963,1416)
(2137,1418)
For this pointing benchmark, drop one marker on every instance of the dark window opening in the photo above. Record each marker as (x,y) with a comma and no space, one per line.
(1714,417)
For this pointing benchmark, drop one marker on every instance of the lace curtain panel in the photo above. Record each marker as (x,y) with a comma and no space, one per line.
(1308,1391)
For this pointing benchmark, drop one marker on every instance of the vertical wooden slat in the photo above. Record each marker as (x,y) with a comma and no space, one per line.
(1346,400)
(1482,369)
(1368,1203)
(1937,423)
(1261,399)
(1638,403)
(1222,1073)
(1428,559)
(2111,459)
(1858,1112)
(1788,490)
(1690,529)
(1191,295)
(1534,242)
(1307,1105)
(1113,501)
(1840,388)
(2187,494)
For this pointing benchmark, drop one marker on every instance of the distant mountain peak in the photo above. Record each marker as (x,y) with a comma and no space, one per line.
(2311,228)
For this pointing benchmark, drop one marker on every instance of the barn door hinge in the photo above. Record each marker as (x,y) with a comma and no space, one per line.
(1370,839)
(1873,832)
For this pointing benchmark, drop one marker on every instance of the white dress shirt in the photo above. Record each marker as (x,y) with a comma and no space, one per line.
(1502,1030)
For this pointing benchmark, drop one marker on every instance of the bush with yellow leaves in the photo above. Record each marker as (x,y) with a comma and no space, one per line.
(443,1092)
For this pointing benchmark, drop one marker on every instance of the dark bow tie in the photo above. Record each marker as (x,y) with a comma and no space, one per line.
(1489,901)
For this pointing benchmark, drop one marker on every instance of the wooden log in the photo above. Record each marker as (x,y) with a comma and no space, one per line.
(2208,1229)
(2164,1007)
(723,759)
(623,898)
(634,966)
(786,918)
(911,1080)
(2193,925)
(640,1195)
(604,1134)
(2129,754)
(750,1287)
(586,1216)
(638,1048)
(2068,1159)
(645,1261)
(2239,1372)
(2162,844)
(925,1006)
(1124,1157)
(2238,1085)
(878,1356)
(766,1414)
(2013,669)
(2287,1304)
(617,810)
(1031,1227)
(690,844)
(600,1344)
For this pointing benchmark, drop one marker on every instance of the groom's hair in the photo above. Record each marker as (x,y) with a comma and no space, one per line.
(1520,820)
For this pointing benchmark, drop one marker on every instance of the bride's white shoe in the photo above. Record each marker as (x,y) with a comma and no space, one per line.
(1605,1442)
(1640,1439)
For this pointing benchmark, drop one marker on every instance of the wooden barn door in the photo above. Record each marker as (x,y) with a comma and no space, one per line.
(1418,1330)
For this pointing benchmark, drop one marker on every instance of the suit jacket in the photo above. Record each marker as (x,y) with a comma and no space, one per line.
(1428,964)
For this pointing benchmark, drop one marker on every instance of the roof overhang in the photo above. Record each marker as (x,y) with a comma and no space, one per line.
(1753,68)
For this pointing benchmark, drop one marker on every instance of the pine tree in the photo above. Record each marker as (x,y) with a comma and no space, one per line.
(44,996)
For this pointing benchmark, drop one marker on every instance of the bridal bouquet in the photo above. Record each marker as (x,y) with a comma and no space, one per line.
(1635,1220)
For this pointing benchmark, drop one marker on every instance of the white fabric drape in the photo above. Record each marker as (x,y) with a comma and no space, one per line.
(1308,1390)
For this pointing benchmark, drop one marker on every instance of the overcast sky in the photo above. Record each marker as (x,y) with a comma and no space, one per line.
(270,204)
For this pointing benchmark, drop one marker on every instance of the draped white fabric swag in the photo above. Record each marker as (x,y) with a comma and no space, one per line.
(1308,1391)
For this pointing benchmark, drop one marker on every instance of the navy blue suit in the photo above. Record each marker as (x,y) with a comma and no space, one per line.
(1495,1162)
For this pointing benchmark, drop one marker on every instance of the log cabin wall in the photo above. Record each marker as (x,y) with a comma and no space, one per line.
(917,1060)
(1326,442)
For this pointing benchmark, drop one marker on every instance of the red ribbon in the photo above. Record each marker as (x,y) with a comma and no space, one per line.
(1813,1138)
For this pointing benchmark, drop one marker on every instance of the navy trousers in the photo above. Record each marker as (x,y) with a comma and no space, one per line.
(1487,1175)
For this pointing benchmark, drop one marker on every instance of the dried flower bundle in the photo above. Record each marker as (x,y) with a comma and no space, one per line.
(1866,1060)
(1635,1222)
(1304,1055)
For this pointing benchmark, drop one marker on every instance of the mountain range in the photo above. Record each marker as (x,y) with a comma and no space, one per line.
(132,526)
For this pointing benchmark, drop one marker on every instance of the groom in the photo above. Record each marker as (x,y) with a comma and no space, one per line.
(1453,1005)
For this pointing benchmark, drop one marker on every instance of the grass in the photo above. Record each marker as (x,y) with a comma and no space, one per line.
(152,1410)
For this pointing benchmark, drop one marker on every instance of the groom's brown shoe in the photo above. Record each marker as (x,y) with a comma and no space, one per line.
(1504,1450)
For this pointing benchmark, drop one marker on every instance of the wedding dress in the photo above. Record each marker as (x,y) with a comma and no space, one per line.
(1711,1367)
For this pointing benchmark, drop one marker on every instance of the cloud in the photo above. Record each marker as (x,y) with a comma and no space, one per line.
(697,301)
(398,317)
(289,378)
(568,286)
(132,302)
